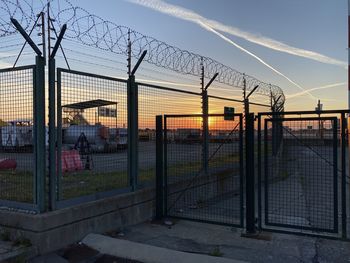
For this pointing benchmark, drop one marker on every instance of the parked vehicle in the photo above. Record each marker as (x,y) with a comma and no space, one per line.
(99,137)
(187,135)
(18,135)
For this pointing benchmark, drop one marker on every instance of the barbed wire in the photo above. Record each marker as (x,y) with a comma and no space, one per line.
(21,9)
(94,31)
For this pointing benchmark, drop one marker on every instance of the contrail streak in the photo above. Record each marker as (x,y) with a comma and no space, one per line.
(317,88)
(254,56)
(189,15)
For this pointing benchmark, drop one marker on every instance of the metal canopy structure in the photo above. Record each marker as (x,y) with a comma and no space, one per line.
(89,104)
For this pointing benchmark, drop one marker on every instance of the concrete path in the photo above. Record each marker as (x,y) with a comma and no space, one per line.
(8,251)
(201,238)
(146,253)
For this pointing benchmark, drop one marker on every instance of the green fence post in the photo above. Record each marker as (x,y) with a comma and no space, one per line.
(344,126)
(205,118)
(132,132)
(52,135)
(250,185)
(39,138)
(159,168)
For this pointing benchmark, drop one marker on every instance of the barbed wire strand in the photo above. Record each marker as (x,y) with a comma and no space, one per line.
(94,31)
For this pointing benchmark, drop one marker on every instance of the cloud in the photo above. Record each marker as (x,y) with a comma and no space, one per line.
(317,88)
(186,14)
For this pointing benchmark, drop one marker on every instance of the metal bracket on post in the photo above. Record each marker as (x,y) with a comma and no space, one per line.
(159,168)
(133,125)
(26,37)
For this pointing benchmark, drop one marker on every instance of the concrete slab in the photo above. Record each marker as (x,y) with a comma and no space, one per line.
(195,237)
(49,258)
(146,253)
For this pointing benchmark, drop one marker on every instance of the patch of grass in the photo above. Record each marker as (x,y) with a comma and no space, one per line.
(22,242)
(284,175)
(18,185)
(22,258)
(5,236)
(216,252)
(88,182)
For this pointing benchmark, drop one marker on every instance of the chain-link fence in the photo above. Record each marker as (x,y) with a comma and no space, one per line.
(153,101)
(17,164)
(92,134)
(204,189)
(302,172)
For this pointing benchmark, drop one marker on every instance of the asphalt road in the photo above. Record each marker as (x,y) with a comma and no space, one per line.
(301,190)
(110,162)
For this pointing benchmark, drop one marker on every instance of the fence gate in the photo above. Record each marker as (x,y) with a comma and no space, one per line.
(203,170)
(300,176)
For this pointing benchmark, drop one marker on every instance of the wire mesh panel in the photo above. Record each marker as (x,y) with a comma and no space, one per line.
(300,173)
(204,189)
(153,101)
(92,136)
(216,105)
(17,179)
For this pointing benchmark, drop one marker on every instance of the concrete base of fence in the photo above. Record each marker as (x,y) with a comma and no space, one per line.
(53,230)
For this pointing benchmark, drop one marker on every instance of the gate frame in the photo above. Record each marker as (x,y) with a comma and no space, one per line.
(342,190)
(162,171)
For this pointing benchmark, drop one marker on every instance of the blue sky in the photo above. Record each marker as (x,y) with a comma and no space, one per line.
(319,26)
(315,25)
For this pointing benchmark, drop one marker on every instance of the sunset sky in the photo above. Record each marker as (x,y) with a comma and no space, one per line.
(314,25)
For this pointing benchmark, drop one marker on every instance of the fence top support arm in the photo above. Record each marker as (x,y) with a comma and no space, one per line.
(26,36)
(276,101)
(138,63)
(250,93)
(58,42)
(211,81)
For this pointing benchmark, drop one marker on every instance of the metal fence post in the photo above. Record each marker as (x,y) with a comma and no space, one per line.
(132,132)
(259,174)
(274,133)
(39,133)
(59,135)
(52,135)
(250,189)
(205,145)
(159,168)
(343,175)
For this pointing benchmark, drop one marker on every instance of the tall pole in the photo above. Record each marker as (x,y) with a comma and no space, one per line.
(129,54)
(348,54)
(48,31)
(42,14)
(245,99)
(205,122)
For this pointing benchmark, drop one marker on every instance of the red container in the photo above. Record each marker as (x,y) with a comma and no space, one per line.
(71,161)
(8,164)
